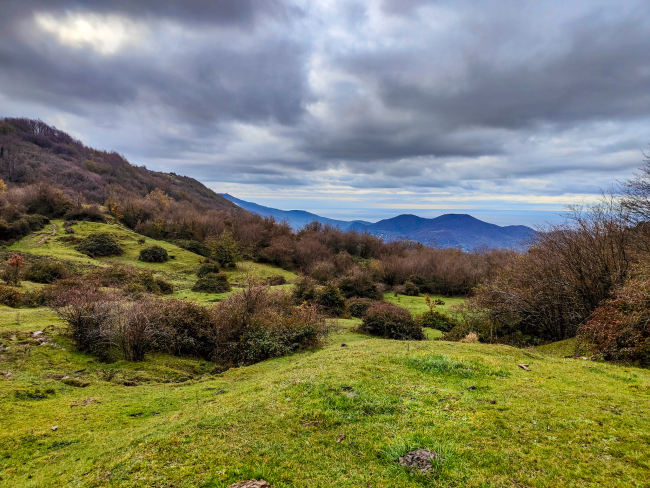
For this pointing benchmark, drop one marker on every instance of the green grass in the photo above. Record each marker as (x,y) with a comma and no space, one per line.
(180,422)
(181,271)
(560,348)
(417,305)
(566,423)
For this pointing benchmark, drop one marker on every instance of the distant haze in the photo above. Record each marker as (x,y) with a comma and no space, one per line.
(531,218)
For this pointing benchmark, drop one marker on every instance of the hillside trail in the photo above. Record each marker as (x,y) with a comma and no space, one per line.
(47,236)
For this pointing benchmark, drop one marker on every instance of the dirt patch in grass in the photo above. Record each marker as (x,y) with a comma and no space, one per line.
(419,460)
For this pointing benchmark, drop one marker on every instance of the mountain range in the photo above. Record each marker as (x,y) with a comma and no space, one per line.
(446,231)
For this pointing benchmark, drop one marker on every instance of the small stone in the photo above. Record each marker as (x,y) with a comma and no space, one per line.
(251,484)
(55,428)
(340,439)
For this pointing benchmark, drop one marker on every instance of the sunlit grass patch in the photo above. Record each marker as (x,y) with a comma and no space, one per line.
(441,364)
(417,305)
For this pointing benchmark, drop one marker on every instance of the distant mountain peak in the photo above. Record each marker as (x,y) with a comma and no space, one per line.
(449,230)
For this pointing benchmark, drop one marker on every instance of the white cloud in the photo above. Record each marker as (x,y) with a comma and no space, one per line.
(105,34)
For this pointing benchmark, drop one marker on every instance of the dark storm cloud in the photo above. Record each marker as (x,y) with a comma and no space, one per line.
(603,75)
(210,82)
(363,93)
(218,12)
(596,70)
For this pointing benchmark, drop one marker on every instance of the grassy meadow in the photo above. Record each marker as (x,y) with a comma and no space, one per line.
(337,415)
(171,421)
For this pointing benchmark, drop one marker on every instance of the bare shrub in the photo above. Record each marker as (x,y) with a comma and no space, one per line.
(133,331)
(548,292)
(471,338)
(323,271)
(11,269)
(90,315)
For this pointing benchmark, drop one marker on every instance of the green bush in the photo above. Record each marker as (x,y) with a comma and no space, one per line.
(359,285)
(164,287)
(276,280)
(331,300)
(130,278)
(436,320)
(21,227)
(154,254)
(45,272)
(305,290)
(410,289)
(390,321)
(100,244)
(193,246)
(153,284)
(225,249)
(184,329)
(358,307)
(10,296)
(207,268)
(89,214)
(212,283)
(423,284)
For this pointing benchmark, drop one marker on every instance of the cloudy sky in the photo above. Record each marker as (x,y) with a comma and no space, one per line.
(353,109)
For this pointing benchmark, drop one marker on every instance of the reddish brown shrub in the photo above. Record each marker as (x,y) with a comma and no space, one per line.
(619,330)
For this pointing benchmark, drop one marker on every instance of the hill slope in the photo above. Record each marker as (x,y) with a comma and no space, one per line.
(32,152)
(565,423)
(297,219)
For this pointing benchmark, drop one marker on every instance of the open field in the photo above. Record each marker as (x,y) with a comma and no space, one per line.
(70,420)
(417,305)
(181,423)
(180,271)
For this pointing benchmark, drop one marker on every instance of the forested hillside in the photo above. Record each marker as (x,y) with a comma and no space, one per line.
(33,152)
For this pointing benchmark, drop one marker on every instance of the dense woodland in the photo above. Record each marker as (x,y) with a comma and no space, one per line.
(583,278)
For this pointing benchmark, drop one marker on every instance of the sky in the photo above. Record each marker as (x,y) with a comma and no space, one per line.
(353,109)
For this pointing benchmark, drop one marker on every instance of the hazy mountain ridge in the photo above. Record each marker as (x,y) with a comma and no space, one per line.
(450,230)
(296,218)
